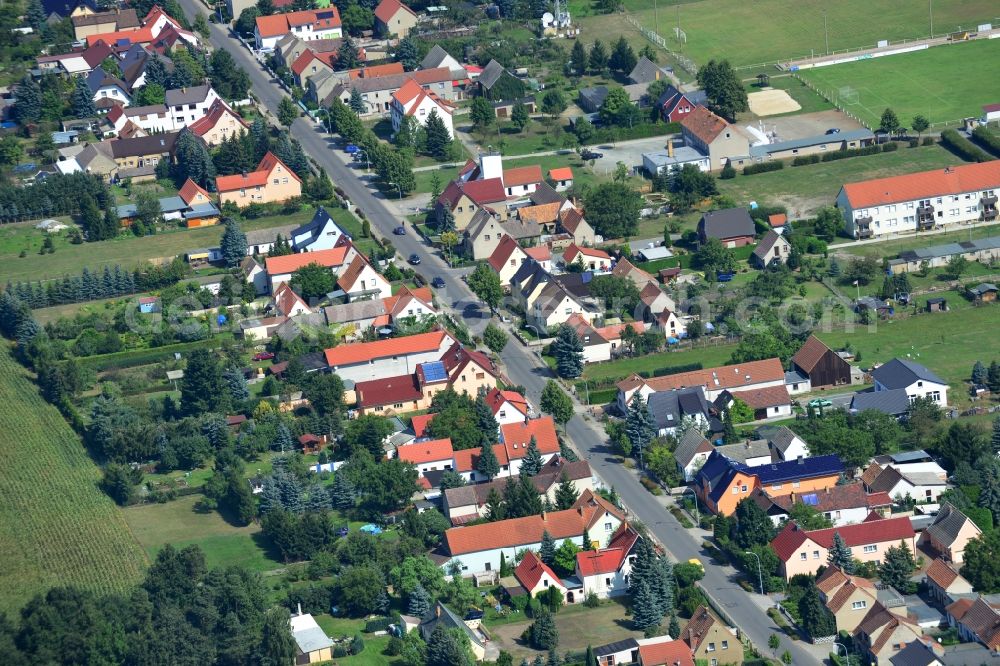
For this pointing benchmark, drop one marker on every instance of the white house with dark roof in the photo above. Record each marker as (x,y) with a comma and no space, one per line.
(311,642)
(950,533)
(913,378)
(773,248)
(320,233)
(187,105)
(691,453)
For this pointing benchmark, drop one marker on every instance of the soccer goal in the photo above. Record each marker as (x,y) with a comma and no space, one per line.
(847,95)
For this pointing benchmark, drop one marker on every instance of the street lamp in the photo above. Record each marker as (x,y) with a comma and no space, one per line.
(695,495)
(760,573)
(847,655)
(400,187)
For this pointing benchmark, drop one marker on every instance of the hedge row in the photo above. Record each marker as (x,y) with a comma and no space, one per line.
(962,147)
(987,140)
(133,358)
(763,167)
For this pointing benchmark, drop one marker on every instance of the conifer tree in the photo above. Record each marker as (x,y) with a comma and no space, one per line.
(532,462)
(342,492)
(547,550)
(82,100)
(488,464)
(568,352)
(645,610)
(419,602)
(840,555)
(234,243)
(566,494)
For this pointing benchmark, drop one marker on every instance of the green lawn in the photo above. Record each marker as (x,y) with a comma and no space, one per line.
(177,523)
(806,189)
(372,655)
(56,526)
(126,250)
(949,343)
(778,30)
(709,357)
(910,83)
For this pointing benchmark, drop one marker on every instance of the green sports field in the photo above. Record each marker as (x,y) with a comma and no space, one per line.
(944,83)
(764,31)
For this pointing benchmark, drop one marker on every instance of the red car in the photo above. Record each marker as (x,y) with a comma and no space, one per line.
(263,356)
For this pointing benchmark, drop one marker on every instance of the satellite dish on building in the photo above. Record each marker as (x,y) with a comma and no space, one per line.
(547,19)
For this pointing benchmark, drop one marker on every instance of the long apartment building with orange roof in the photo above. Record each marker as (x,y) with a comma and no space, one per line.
(923,201)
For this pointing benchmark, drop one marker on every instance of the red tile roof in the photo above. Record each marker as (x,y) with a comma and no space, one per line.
(190,190)
(502,254)
(367,351)
(762,398)
(531,569)
(285,300)
(703,124)
(280,24)
(539,253)
(924,185)
(212,117)
(522,176)
(256,178)
(725,377)
(667,653)
(388,8)
(942,574)
(480,192)
(516,436)
(388,391)
(810,353)
(610,559)
(777,220)
(522,531)
(880,530)
(496,398)
(347,279)
(303,61)
(425,452)
(466,460)
(420,422)
(570,254)
(375,71)
(290,263)
(561,173)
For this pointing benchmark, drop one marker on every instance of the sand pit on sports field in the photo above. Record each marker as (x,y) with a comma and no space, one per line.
(771,102)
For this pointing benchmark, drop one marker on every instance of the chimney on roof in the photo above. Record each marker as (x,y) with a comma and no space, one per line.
(437,610)
(802,461)
(543,516)
(300,609)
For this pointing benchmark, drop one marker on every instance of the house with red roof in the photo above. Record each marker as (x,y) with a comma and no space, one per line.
(194,194)
(522,181)
(392,357)
(535,576)
(841,504)
(157,26)
(288,303)
(709,639)
(516,437)
(432,455)
(218,124)
(592,259)
(507,259)
(280,269)
(962,194)
(572,222)
(711,135)
(882,634)
(415,101)
(271,181)
(307,25)
(804,551)
(977,620)
(357,316)
(605,571)
(360,281)
(393,18)
(944,583)
(507,406)
(561,178)
(478,548)
(665,652)
(464,198)
(462,370)
(311,63)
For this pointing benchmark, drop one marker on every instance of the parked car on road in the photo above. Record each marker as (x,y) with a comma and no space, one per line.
(588,154)
(414,259)
(399,231)
(438,282)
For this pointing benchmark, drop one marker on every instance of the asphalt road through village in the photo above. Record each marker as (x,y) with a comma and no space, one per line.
(523,367)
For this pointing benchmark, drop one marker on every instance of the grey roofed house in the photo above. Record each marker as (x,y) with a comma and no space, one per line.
(576,284)
(592,99)
(172,204)
(141,146)
(99,78)
(490,74)
(741,452)
(264,236)
(628,645)
(894,402)
(647,71)
(441,614)
(901,373)
(765,244)
(764,150)
(984,288)
(727,223)
(780,437)
(528,276)
(438,57)
(308,635)
(948,523)
(696,97)
(691,444)
(544,194)
(519,229)
(549,475)
(354,311)
(192,95)
(915,654)
(668,407)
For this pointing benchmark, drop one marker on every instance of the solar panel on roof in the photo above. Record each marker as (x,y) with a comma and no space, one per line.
(811,499)
(123,42)
(434,371)
(324,15)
